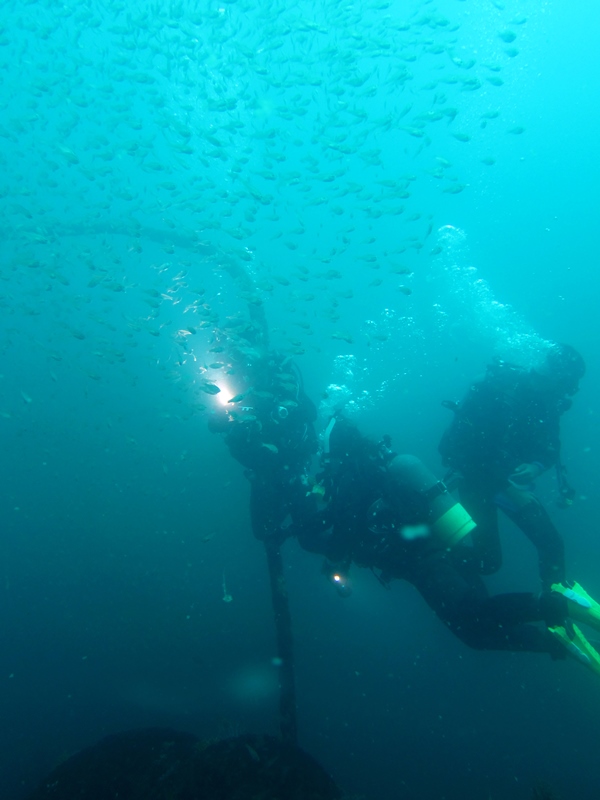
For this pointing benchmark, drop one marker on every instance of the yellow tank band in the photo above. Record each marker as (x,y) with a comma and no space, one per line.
(453,526)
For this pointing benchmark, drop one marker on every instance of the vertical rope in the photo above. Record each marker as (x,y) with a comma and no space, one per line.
(283,634)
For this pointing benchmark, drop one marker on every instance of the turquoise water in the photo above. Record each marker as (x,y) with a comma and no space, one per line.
(404,190)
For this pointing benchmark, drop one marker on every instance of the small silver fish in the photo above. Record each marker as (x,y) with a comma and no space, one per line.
(209,388)
(271,447)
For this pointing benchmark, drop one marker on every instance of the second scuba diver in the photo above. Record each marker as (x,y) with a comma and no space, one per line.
(504,434)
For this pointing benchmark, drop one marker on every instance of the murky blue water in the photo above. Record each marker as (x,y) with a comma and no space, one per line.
(404,190)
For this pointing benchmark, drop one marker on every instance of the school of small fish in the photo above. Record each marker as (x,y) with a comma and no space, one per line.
(171,169)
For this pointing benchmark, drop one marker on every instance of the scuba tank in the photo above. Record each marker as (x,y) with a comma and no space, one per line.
(447,520)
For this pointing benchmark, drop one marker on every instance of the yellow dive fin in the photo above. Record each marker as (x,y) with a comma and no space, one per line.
(581,605)
(578,647)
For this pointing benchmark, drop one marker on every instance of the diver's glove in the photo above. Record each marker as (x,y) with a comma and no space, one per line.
(526,474)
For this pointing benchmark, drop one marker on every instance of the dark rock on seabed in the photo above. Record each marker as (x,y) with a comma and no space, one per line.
(162,764)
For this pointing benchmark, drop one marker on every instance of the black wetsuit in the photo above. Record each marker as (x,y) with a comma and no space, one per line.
(271,433)
(505,420)
(446,580)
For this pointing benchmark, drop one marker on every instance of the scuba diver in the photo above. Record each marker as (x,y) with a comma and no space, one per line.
(268,427)
(505,433)
(389,513)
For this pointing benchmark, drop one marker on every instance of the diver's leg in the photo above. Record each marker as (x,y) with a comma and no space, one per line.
(533,519)
(486,553)
(461,601)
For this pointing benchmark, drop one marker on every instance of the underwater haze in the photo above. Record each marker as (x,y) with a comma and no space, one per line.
(402,190)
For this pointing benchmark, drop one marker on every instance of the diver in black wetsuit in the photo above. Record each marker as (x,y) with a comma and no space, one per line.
(505,433)
(268,427)
(389,513)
